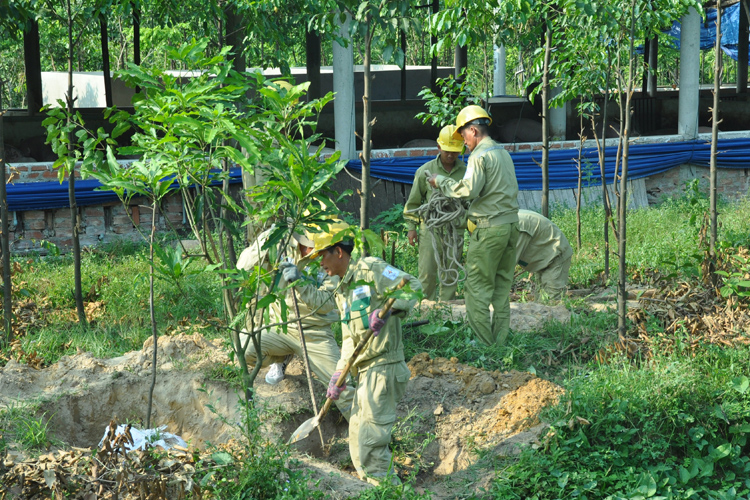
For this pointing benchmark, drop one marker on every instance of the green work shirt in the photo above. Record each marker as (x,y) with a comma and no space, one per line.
(421,191)
(540,241)
(489,183)
(361,292)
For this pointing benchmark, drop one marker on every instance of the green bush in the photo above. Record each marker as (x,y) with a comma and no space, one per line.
(674,428)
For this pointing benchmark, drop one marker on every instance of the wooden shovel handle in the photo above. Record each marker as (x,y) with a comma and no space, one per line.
(342,378)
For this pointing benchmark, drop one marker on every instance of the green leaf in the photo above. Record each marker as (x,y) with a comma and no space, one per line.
(222,458)
(741,384)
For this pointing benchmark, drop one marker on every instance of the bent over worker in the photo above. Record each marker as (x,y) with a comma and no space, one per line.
(317,309)
(544,250)
(380,370)
(490,184)
(446,163)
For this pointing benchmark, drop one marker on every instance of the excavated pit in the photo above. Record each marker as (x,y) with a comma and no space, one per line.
(455,409)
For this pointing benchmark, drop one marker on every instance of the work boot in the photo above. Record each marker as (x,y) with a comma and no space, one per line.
(276,371)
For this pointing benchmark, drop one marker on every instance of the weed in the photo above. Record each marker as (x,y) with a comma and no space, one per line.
(409,441)
(33,433)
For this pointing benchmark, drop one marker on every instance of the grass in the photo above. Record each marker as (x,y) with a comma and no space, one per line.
(20,424)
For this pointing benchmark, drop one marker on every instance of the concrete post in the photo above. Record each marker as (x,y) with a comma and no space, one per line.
(499,78)
(689,74)
(558,118)
(343,87)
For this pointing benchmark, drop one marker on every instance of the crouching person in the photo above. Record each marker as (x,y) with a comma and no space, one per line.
(380,370)
(317,309)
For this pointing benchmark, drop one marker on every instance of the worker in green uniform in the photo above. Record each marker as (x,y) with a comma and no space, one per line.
(544,250)
(380,370)
(490,184)
(446,163)
(317,309)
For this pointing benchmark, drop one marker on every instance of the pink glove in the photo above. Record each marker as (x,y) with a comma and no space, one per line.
(333,391)
(376,323)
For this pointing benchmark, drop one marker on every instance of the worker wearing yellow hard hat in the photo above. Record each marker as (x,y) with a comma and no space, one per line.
(446,163)
(491,187)
(380,369)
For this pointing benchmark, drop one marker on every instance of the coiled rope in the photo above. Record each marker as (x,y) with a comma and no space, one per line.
(445,217)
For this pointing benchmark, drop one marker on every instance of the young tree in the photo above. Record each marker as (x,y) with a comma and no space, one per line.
(5,237)
(184,128)
(715,121)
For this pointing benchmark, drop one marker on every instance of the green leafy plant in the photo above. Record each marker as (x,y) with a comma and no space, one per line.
(443,106)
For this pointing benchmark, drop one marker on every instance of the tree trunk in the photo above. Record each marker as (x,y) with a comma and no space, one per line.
(32,61)
(714,149)
(105,60)
(434,60)
(136,34)
(603,174)
(545,123)
(622,294)
(74,217)
(152,313)
(364,218)
(312,60)
(5,239)
(742,47)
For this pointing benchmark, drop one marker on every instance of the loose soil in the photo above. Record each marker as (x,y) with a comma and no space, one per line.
(450,415)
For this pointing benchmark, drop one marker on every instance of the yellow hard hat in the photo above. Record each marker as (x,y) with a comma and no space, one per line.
(467,115)
(325,239)
(447,142)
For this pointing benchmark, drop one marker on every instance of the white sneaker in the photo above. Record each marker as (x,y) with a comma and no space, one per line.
(276,371)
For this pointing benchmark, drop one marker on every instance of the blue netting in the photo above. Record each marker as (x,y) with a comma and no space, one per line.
(644,160)
(730,30)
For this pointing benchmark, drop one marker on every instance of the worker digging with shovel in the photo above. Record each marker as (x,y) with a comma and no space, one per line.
(377,364)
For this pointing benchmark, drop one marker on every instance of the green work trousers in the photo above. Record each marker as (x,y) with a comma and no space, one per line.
(379,390)
(553,279)
(490,262)
(428,268)
(322,350)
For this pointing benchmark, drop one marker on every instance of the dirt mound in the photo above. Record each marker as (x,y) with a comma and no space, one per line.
(456,409)
(473,409)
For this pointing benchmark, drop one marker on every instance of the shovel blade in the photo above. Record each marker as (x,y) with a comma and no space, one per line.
(304,430)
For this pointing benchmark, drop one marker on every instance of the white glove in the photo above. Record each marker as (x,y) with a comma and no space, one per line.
(289,272)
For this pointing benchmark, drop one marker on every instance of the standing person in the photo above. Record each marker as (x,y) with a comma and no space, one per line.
(544,250)
(447,163)
(490,184)
(317,309)
(380,370)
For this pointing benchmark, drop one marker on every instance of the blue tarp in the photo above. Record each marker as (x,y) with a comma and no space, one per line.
(51,195)
(644,160)
(730,30)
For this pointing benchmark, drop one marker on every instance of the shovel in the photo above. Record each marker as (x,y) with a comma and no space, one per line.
(307,426)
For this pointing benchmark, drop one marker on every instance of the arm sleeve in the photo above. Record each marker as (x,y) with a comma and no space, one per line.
(416,198)
(384,284)
(347,347)
(467,188)
(318,298)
